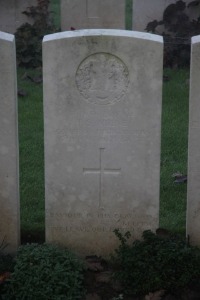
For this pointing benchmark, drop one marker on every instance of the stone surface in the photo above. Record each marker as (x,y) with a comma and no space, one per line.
(145,11)
(9,191)
(11,16)
(85,14)
(102,108)
(193,201)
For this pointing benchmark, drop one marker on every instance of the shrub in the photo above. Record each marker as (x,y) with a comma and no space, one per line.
(45,272)
(29,37)
(178,30)
(6,260)
(6,263)
(155,263)
(6,266)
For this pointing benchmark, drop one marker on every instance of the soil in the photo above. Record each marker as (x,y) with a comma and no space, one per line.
(101,286)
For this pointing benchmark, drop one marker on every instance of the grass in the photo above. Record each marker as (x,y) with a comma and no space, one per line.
(174,150)
(31,151)
(129,14)
(55,9)
(173,157)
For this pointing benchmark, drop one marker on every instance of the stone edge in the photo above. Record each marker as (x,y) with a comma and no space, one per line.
(6,36)
(105,32)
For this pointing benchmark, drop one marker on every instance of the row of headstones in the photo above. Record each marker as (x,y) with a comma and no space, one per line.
(110,14)
(102,119)
(85,14)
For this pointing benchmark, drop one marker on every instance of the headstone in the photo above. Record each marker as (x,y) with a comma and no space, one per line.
(145,11)
(9,191)
(193,201)
(11,16)
(102,112)
(86,14)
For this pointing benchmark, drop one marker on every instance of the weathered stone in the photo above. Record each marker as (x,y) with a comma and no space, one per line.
(11,16)
(193,201)
(9,192)
(102,114)
(86,14)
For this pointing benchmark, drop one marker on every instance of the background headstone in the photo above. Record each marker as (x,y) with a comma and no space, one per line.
(85,14)
(102,114)
(9,190)
(193,201)
(145,11)
(11,16)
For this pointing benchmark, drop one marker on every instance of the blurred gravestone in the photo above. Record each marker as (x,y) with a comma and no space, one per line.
(9,190)
(145,11)
(193,201)
(84,14)
(11,16)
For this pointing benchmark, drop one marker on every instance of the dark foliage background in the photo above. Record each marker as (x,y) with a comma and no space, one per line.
(29,36)
(178,30)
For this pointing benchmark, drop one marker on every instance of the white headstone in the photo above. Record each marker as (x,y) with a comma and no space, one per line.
(11,16)
(9,191)
(102,112)
(193,201)
(145,11)
(85,14)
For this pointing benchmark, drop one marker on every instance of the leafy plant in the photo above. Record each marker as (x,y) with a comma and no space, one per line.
(29,36)
(6,265)
(120,297)
(155,263)
(45,272)
(6,260)
(178,30)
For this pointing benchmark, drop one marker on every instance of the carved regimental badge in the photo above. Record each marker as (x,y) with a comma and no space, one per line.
(102,78)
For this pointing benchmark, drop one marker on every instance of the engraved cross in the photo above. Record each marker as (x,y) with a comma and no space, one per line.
(101,171)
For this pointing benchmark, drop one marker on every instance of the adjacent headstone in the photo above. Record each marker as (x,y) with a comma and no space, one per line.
(86,14)
(11,16)
(9,191)
(102,114)
(193,201)
(145,11)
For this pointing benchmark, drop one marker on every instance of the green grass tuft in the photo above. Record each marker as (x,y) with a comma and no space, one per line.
(174,150)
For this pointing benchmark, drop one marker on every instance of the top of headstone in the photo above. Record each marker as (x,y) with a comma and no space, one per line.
(107,32)
(7,36)
(196,39)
